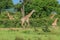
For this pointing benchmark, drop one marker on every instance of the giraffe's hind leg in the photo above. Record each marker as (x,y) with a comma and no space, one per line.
(28,24)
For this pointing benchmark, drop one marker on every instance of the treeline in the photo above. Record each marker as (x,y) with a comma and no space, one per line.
(39,18)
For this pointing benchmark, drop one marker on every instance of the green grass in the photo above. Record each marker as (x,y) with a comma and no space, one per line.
(30,34)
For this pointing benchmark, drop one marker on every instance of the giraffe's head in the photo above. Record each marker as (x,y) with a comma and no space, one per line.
(53,13)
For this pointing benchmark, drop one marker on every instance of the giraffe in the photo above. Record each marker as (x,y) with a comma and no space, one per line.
(10,16)
(54,24)
(26,18)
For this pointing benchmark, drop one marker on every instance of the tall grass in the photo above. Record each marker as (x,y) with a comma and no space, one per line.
(29,34)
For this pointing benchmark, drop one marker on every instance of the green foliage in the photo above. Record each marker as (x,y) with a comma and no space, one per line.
(5,4)
(34,22)
(40,17)
(43,7)
(5,22)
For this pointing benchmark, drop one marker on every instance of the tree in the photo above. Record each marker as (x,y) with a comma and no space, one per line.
(21,6)
(24,2)
(42,7)
(4,4)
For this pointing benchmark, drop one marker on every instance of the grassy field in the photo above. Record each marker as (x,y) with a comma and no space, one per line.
(28,34)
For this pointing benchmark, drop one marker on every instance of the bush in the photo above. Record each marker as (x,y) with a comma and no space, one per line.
(19,38)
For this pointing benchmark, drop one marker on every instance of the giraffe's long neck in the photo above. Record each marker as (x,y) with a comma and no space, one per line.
(8,15)
(55,21)
(52,16)
(29,15)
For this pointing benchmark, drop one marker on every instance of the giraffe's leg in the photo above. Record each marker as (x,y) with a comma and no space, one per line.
(28,22)
(54,27)
(22,24)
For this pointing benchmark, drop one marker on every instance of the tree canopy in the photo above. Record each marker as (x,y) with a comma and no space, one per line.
(40,17)
(42,7)
(5,4)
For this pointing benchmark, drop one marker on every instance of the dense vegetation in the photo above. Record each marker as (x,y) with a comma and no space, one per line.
(39,19)
(5,4)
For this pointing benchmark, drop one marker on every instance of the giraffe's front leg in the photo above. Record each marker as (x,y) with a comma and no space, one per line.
(22,23)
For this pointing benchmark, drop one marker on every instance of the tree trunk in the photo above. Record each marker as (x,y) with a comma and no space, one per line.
(23,11)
